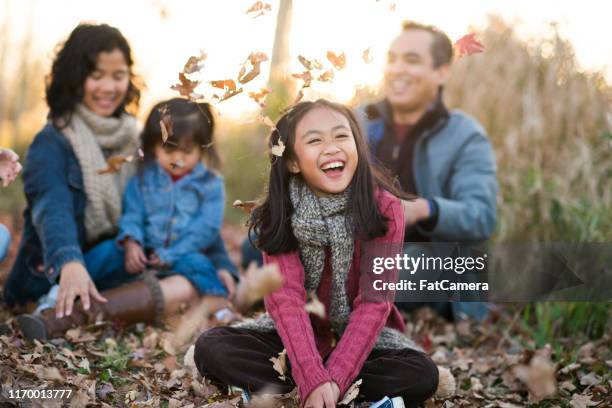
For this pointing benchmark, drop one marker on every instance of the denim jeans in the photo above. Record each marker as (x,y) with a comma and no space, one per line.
(5,241)
(105,263)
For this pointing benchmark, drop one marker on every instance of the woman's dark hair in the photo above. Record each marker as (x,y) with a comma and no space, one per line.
(192,125)
(76,60)
(271,221)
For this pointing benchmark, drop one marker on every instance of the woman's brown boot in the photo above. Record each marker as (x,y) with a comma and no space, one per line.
(140,301)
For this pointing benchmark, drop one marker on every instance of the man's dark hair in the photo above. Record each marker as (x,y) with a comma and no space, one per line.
(441,46)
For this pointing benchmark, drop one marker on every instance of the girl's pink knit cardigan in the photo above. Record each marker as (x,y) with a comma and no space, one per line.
(286,307)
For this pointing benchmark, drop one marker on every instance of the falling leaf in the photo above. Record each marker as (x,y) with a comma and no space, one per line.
(538,375)
(259,8)
(260,96)
(310,64)
(195,64)
(186,87)
(351,393)
(392,6)
(228,94)
(367,56)
(224,84)
(327,76)
(278,149)
(338,61)
(166,125)
(305,76)
(113,164)
(168,346)
(299,96)
(468,45)
(257,57)
(246,206)
(254,59)
(256,283)
(179,164)
(267,121)
(141,154)
(280,364)
(315,306)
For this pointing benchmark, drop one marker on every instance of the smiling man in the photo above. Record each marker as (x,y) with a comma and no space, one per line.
(443,157)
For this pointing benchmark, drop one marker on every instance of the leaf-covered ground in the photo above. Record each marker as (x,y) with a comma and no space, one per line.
(495,364)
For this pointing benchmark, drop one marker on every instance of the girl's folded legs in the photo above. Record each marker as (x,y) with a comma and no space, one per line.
(241,357)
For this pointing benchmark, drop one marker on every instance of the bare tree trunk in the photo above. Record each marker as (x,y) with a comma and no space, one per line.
(279,80)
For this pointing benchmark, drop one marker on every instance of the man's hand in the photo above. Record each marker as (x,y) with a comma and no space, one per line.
(324,396)
(135,259)
(9,166)
(228,281)
(75,282)
(415,210)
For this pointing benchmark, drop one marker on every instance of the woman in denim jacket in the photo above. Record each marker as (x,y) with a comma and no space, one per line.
(73,209)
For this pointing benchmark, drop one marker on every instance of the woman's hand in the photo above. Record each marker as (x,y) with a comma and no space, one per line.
(9,166)
(324,396)
(75,282)
(228,281)
(415,210)
(135,259)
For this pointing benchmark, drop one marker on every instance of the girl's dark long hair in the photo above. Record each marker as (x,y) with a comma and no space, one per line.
(270,222)
(76,60)
(192,124)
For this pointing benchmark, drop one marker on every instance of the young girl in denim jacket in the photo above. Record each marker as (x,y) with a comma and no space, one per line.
(173,208)
(324,207)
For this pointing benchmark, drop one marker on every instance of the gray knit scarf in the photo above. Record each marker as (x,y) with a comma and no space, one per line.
(94,138)
(319,223)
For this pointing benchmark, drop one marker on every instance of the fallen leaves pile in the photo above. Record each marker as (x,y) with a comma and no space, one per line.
(495,365)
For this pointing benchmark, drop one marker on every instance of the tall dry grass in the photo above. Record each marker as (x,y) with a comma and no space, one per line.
(551,126)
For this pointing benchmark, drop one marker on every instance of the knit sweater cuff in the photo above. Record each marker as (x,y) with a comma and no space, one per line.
(341,378)
(315,377)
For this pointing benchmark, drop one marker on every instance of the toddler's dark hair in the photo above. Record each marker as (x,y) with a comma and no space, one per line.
(192,126)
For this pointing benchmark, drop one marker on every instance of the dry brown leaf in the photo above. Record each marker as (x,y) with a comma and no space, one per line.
(224,84)
(310,64)
(315,306)
(278,149)
(186,87)
(299,96)
(538,375)
(195,63)
(79,400)
(113,164)
(305,76)
(257,283)
(179,164)
(280,364)
(265,120)
(259,8)
(327,76)
(338,61)
(367,56)
(228,94)
(246,206)
(583,401)
(48,373)
(468,45)
(351,393)
(260,96)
